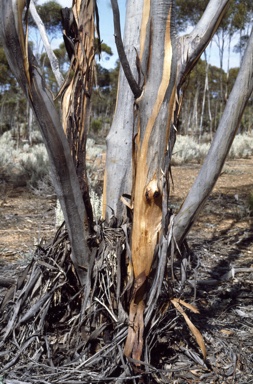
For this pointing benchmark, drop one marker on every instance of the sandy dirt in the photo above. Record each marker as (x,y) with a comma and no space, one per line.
(26,219)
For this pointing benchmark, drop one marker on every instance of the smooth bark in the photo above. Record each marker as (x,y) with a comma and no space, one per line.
(118,172)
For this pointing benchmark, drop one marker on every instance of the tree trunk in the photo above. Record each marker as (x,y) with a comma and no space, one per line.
(141,127)
(26,70)
(140,143)
(77,94)
(118,173)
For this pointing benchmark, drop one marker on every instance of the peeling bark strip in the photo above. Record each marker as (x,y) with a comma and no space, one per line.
(76,99)
(64,177)
(154,114)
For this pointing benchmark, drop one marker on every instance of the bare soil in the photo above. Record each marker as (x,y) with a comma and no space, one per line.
(26,218)
(222,256)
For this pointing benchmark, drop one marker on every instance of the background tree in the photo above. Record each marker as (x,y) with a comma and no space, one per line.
(103,99)
(50,13)
(236,23)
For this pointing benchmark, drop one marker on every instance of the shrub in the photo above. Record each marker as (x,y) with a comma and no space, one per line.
(96,125)
(242,147)
(187,149)
(34,166)
(23,165)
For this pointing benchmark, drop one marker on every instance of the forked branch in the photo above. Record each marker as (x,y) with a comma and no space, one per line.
(121,51)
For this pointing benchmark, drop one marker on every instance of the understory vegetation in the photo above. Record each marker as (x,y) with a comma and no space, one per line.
(27,165)
(189,149)
(21,163)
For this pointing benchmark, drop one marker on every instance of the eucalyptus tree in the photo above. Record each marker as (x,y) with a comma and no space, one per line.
(155,63)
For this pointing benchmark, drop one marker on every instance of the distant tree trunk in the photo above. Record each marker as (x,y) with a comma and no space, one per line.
(221,44)
(210,116)
(30,123)
(205,91)
(195,117)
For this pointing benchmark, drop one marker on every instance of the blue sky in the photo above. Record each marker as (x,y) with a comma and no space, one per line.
(106,31)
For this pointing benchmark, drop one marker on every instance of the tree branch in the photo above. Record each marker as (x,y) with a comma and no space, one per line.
(194,44)
(221,144)
(121,52)
(52,58)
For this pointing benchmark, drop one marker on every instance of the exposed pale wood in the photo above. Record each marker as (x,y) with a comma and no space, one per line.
(154,114)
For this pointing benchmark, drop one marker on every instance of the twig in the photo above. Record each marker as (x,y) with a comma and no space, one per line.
(228,275)
(233,271)
(108,310)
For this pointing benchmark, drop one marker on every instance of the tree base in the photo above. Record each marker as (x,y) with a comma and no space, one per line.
(52,331)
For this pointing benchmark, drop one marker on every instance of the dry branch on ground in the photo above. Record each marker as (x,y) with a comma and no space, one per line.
(53,332)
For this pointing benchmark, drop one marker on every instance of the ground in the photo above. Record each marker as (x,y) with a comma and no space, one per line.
(221,244)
